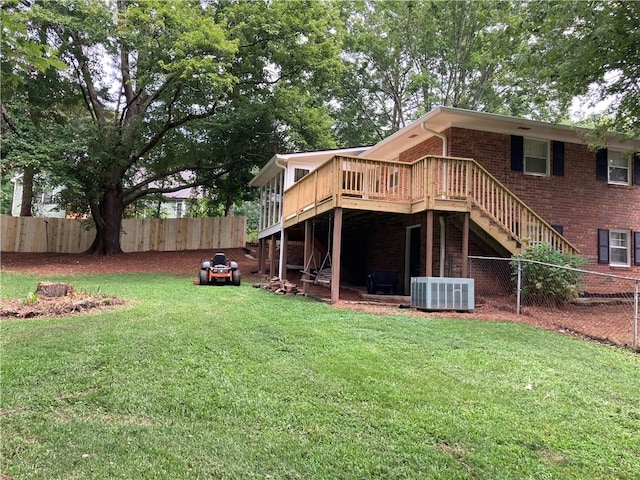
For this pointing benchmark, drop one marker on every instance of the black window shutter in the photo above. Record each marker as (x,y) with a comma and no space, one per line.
(603,245)
(636,243)
(517,153)
(557,228)
(557,149)
(636,169)
(602,170)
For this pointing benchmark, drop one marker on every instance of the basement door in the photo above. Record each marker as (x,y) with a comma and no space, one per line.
(412,256)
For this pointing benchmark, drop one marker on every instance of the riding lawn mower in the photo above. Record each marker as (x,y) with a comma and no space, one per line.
(218,270)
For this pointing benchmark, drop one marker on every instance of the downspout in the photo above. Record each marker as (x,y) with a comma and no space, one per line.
(280,266)
(441,136)
(445,151)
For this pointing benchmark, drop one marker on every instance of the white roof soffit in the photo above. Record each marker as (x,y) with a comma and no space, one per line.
(312,158)
(442,118)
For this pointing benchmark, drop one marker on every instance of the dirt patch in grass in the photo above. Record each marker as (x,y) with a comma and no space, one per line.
(55,306)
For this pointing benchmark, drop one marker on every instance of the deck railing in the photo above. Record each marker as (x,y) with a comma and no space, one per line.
(440,183)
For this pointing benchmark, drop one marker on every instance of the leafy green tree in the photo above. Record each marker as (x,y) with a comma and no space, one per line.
(6,195)
(183,94)
(405,58)
(33,133)
(31,101)
(590,49)
(289,51)
(250,210)
(21,49)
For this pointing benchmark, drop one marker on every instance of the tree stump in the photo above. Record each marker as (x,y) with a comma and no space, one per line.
(48,289)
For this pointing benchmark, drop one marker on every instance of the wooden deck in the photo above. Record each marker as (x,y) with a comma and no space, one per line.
(428,184)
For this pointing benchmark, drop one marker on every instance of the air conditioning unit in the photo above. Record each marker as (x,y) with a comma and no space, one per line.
(441,293)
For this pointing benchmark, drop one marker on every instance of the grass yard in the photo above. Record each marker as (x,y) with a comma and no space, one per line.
(237,383)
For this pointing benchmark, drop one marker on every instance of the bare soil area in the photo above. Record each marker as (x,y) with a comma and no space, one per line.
(182,262)
(56,306)
(607,323)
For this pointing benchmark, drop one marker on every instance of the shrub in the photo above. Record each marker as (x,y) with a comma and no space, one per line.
(544,278)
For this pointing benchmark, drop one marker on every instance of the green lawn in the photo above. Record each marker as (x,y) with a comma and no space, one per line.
(225,382)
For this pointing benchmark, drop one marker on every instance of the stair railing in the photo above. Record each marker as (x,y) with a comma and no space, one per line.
(512,214)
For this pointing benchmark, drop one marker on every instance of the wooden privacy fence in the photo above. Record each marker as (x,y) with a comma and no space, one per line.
(61,235)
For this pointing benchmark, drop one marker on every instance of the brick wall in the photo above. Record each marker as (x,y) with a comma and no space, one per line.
(385,246)
(577,201)
(432,146)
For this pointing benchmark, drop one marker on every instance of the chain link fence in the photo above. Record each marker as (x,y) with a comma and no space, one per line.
(596,305)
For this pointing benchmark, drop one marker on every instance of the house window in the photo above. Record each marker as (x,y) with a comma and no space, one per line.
(394,178)
(614,247)
(619,167)
(47,199)
(536,157)
(179,209)
(620,248)
(299,173)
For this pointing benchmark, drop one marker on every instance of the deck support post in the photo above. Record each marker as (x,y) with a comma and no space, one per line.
(429,234)
(336,248)
(272,255)
(465,245)
(308,245)
(284,240)
(262,253)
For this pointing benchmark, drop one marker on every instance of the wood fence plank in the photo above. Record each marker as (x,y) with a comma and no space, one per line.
(9,230)
(29,234)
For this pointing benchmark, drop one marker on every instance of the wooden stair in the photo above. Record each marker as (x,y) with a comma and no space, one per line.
(492,233)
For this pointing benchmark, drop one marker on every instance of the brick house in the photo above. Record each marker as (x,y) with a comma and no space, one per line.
(453,183)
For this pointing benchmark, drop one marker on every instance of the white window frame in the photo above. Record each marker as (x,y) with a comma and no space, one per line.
(618,248)
(394,178)
(613,155)
(47,198)
(524,156)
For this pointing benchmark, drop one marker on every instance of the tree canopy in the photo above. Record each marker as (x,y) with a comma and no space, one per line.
(589,50)
(404,58)
(180,94)
(526,59)
(123,100)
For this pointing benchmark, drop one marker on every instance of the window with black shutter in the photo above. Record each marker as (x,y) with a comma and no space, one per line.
(517,153)
(531,156)
(619,167)
(603,245)
(636,250)
(602,171)
(557,148)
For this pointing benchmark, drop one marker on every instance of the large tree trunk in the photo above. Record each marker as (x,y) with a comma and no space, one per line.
(26,204)
(108,220)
